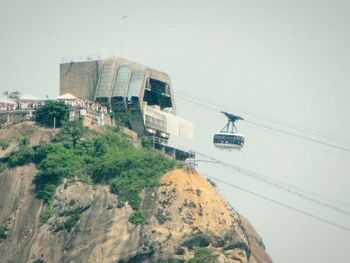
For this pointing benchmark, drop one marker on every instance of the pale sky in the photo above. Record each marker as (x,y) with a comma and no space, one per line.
(288,60)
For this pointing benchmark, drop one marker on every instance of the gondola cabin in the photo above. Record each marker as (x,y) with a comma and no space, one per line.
(229,138)
(226,140)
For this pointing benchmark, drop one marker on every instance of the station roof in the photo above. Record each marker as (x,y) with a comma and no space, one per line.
(67,96)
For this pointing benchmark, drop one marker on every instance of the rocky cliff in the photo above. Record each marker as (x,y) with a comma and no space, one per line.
(187,221)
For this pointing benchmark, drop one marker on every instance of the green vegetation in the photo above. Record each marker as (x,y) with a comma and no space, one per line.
(52,113)
(179,251)
(23,140)
(22,156)
(197,241)
(163,216)
(147,142)
(68,224)
(4,144)
(13,95)
(203,255)
(46,213)
(3,233)
(3,166)
(240,245)
(122,118)
(79,153)
(137,218)
(56,166)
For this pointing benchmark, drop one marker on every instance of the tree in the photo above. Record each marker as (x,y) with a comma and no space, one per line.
(14,95)
(72,131)
(52,114)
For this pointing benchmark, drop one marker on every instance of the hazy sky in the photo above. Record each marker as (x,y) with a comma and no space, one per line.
(288,60)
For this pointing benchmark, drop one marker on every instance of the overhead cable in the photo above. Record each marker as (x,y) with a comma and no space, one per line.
(274,183)
(270,119)
(216,109)
(282,204)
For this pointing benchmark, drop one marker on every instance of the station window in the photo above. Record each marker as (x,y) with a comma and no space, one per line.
(157,93)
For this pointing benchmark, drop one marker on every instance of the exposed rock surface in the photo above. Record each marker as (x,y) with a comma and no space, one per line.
(86,224)
(185,210)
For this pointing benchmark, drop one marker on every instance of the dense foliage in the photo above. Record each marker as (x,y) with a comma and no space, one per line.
(52,114)
(58,164)
(109,158)
(22,156)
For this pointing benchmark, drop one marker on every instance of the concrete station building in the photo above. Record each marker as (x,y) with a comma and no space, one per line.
(143,94)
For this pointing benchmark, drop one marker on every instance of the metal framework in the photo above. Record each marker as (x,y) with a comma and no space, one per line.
(230,127)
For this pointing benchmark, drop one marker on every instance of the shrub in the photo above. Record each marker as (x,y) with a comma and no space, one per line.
(52,112)
(133,172)
(147,142)
(203,255)
(162,216)
(122,118)
(4,144)
(22,156)
(3,232)
(197,241)
(52,170)
(137,218)
(179,251)
(42,152)
(46,214)
(71,132)
(24,140)
(240,245)
(3,166)
(69,223)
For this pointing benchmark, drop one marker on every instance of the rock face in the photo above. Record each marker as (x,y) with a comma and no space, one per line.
(86,224)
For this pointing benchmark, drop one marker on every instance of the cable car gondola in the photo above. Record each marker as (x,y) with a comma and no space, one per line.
(228,137)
